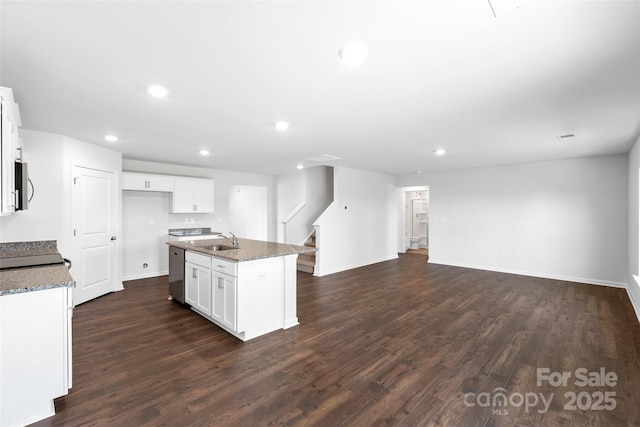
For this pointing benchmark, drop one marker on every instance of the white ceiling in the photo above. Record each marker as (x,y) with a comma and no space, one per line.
(439,74)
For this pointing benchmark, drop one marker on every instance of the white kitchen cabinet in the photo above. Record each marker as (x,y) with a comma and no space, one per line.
(35,354)
(9,142)
(192,195)
(224,293)
(147,182)
(247,298)
(197,281)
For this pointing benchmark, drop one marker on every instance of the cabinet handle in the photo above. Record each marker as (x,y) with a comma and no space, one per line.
(195,273)
(220,266)
(220,283)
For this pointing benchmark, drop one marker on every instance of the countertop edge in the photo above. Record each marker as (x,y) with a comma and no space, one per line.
(36,288)
(283,249)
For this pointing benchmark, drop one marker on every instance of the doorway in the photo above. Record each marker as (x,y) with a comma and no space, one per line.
(415,220)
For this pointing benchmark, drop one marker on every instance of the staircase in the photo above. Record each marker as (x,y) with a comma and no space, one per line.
(307,262)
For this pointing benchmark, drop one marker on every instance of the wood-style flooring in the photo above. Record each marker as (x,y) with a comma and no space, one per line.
(401,342)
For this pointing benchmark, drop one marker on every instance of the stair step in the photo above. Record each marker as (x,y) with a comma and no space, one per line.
(305,265)
(309,257)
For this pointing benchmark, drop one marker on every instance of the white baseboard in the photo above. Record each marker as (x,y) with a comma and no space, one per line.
(352,266)
(585,280)
(635,283)
(145,275)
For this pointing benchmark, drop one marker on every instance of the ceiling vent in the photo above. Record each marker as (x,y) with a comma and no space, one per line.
(322,158)
(566,137)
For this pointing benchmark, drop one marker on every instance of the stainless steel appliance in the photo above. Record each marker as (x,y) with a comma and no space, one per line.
(22,261)
(22,182)
(176,274)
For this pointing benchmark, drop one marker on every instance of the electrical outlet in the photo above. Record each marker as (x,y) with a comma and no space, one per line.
(152,221)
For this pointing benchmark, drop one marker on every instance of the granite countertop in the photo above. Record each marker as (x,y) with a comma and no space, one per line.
(18,280)
(38,247)
(248,249)
(203,231)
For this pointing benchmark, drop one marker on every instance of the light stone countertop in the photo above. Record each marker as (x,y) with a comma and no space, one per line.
(18,280)
(248,249)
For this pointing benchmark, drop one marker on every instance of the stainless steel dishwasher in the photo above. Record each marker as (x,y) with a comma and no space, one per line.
(176,274)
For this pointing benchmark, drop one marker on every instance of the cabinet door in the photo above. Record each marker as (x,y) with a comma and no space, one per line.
(204,291)
(191,284)
(224,300)
(145,182)
(192,195)
(183,196)
(203,195)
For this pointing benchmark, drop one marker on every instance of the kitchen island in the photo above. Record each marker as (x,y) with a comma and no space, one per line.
(35,331)
(248,290)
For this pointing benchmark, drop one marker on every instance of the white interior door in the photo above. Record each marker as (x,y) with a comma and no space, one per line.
(248,212)
(93,222)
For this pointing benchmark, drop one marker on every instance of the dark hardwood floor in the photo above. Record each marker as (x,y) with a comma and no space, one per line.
(401,342)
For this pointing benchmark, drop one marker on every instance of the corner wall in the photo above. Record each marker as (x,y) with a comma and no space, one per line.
(562,219)
(311,188)
(634,231)
(361,226)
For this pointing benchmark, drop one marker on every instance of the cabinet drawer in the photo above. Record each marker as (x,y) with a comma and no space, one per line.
(198,259)
(223,266)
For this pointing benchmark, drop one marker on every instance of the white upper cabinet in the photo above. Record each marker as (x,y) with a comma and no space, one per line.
(192,195)
(9,143)
(146,182)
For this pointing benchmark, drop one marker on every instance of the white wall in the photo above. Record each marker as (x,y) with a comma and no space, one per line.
(360,227)
(311,187)
(43,220)
(290,193)
(146,243)
(50,158)
(562,219)
(634,221)
(248,206)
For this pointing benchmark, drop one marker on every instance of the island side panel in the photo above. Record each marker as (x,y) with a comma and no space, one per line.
(290,291)
(260,304)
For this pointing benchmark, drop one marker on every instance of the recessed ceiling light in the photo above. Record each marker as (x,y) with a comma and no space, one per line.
(204,152)
(111,138)
(300,167)
(158,91)
(353,54)
(282,125)
(440,152)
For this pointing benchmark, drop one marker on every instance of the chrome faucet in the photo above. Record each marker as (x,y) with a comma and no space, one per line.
(233,240)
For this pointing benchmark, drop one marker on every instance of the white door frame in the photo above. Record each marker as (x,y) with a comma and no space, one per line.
(403,238)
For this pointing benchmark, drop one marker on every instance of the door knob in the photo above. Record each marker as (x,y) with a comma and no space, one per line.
(113,237)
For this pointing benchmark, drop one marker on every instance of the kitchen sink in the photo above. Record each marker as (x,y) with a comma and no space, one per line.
(219,247)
